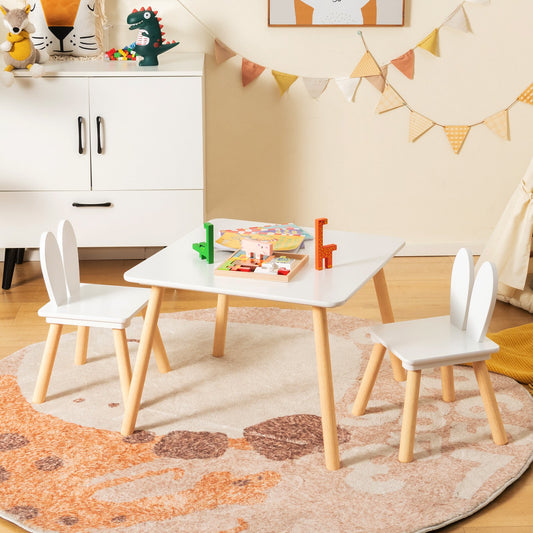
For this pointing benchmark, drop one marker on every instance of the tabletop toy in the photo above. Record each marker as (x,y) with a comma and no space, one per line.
(323,252)
(18,48)
(149,43)
(206,249)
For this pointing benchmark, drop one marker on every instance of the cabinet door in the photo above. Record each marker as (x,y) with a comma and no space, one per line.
(40,135)
(149,133)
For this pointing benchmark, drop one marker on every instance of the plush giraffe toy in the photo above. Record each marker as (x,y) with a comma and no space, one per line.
(18,49)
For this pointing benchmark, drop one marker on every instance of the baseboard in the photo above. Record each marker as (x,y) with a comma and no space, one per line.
(97,254)
(409,250)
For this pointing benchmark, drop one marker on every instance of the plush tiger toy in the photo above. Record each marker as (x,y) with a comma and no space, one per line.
(68,27)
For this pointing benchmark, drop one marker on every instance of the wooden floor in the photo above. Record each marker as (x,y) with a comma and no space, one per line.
(418,288)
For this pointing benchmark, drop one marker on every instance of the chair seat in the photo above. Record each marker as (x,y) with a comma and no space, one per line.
(431,342)
(107,306)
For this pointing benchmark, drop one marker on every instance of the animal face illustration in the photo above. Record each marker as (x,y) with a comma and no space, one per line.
(337,11)
(64,28)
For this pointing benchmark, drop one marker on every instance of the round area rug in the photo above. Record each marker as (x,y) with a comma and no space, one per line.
(233,444)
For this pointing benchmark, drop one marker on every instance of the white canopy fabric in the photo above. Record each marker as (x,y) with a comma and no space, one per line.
(509,245)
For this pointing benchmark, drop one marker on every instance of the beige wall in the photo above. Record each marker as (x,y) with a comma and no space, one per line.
(295,159)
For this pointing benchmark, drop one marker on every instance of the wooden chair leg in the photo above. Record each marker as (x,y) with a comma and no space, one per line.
(448,387)
(221,325)
(410,409)
(123,361)
(387,316)
(82,341)
(369,379)
(47,363)
(489,401)
(160,353)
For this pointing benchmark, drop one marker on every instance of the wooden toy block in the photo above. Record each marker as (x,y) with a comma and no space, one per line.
(323,252)
(206,249)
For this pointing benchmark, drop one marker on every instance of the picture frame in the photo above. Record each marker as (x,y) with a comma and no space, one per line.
(298,13)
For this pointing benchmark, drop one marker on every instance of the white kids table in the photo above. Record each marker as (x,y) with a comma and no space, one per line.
(358,259)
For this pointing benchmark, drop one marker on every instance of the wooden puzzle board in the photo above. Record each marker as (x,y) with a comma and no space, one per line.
(239,258)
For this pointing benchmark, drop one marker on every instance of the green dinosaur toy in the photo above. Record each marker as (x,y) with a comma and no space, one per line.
(149,42)
(206,249)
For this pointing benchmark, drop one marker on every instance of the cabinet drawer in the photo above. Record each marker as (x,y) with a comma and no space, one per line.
(147,218)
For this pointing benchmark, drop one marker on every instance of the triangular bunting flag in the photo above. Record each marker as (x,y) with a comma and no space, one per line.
(406,64)
(456,135)
(389,100)
(348,86)
(222,52)
(250,71)
(418,125)
(431,42)
(367,66)
(379,81)
(527,95)
(499,124)
(315,86)
(284,80)
(458,20)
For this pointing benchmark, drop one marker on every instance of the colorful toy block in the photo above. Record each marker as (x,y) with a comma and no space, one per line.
(206,249)
(323,252)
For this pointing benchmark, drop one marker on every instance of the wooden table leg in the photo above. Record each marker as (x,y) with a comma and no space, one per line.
(385,308)
(141,362)
(220,325)
(325,386)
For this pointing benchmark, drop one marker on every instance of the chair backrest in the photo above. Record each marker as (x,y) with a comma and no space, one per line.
(482,301)
(52,269)
(69,253)
(461,287)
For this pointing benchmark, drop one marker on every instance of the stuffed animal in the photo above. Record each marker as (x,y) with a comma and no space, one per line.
(18,49)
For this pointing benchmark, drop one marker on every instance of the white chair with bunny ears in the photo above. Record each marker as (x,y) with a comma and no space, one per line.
(85,305)
(442,342)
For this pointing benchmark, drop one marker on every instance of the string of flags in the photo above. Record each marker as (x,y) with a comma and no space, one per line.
(368,68)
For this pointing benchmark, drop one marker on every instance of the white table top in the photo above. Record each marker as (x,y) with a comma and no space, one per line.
(357,259)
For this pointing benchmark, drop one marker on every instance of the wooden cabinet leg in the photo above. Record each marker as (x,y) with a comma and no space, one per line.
(142,360)
(325,387)
(10,258)
(47,363)
(221,325)
(489,401)
(369,379)
(410,409)
(385,308)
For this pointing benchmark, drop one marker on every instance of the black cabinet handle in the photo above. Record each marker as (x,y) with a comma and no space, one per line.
(98,134)
(103,204)
(80,144)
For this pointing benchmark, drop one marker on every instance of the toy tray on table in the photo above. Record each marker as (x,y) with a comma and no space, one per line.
(238,260)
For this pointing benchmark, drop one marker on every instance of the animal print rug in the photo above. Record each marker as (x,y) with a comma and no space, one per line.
(235,443)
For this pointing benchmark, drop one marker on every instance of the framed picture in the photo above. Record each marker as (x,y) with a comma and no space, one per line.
(336,12)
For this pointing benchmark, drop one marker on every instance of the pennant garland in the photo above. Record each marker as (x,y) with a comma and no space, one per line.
(389,100)
(222,52)
(406,64)
(418,125)
(315,86)
(369,69)
(348,87)
(284,80)
(499,124)
(250,71)
(431,42)
(456,135)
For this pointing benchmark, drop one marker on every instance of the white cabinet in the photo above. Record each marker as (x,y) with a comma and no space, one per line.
(116,148)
